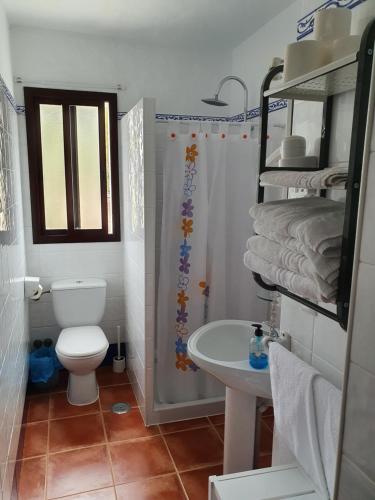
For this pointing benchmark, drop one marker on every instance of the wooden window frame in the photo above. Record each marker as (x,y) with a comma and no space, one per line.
(33,98)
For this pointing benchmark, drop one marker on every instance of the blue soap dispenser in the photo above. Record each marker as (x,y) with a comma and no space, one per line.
(258,357)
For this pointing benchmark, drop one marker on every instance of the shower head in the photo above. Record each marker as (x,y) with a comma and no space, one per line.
(214,101)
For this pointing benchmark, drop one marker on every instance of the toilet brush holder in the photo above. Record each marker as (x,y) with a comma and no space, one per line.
(118,364)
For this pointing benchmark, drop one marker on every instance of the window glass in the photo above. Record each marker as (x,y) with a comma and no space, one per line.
(88,212)
(53,166)
(108,166)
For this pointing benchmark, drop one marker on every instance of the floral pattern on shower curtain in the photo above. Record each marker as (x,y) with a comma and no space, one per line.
(193,259)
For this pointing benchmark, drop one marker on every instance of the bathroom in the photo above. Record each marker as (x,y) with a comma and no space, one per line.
(187,424)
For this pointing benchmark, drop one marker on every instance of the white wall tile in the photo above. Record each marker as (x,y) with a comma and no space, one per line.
(368,230)
(328,371)
(359,434)
(298,321)
(363,343)
(330,341)
(354,484)
(13,307)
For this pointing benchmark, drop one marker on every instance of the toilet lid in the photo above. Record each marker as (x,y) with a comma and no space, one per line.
(80,341)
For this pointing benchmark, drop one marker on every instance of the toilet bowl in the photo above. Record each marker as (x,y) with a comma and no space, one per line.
(82,344)
(81,350)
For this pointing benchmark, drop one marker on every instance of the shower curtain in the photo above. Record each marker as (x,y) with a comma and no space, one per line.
(209,185)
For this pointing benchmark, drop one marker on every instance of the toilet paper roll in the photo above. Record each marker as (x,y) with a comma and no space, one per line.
(345,46)
(362,15)
(333,23)
(303,57)
(33,288)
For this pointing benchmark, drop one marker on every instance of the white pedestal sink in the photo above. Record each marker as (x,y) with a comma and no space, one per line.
(222,349)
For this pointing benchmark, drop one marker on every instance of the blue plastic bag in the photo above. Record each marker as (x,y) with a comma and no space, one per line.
(43,363)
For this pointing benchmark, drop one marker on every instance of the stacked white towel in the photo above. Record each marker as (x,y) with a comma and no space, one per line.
(335,177)
(298,245)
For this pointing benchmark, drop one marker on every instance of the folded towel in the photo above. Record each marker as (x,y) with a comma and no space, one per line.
(336,176)
(293,244)
(296,283)
(327,400)
(295,417)
(316,222)
(309,264)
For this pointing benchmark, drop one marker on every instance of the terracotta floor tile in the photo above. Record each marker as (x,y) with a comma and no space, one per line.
(105,376)
(196,482)
(160,488)
(60,407)
(140,459)
(194,448)
(127,426)
(78,471)
(106,494)
(217,419)
(182,425)
(263,461)
(75,432)
(110,395)
(36,409)
(33,440)
(266,437)
(30,478)
(220,430)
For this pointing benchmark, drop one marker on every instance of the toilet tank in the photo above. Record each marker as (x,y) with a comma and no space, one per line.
(78,302)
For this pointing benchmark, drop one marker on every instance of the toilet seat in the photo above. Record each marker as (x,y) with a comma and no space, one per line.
(81,342)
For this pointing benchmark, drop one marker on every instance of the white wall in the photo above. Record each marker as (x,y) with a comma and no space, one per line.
(357,476)
(176,78)
(13,307)
(139,192)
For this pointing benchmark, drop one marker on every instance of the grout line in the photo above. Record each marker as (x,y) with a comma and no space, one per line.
(216,431)
(201,466)
(47,450)
(107,446)
(175,466)
(74,495)
(75,416)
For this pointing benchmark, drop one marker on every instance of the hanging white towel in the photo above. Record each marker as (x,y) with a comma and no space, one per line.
(316,222)
(335,176)
(295,419)
(327,407)
(312,265)
(296,283)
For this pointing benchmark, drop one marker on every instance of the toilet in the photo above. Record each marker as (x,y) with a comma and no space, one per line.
(78,305)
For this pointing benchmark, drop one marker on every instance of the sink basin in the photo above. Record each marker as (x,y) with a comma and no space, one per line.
(222,349)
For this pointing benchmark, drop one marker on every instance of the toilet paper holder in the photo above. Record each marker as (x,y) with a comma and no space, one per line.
(33,288)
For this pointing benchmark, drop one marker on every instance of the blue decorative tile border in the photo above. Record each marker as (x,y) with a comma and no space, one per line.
(305,25)
(252,113)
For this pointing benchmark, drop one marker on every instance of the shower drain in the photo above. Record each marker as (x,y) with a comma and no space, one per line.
(121,408)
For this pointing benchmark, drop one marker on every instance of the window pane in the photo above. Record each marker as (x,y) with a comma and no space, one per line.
(88,167)
(108,167)
(53,165)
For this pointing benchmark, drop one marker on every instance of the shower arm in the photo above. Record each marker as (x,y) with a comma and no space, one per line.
(243,84)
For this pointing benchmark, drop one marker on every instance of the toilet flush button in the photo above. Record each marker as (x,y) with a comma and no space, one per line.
(121,408)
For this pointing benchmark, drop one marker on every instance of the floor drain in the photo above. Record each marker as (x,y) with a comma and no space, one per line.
(120,408)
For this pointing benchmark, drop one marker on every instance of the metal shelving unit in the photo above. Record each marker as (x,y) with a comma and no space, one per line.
(353,72)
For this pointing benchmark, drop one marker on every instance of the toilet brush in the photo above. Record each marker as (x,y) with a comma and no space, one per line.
(118,361)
